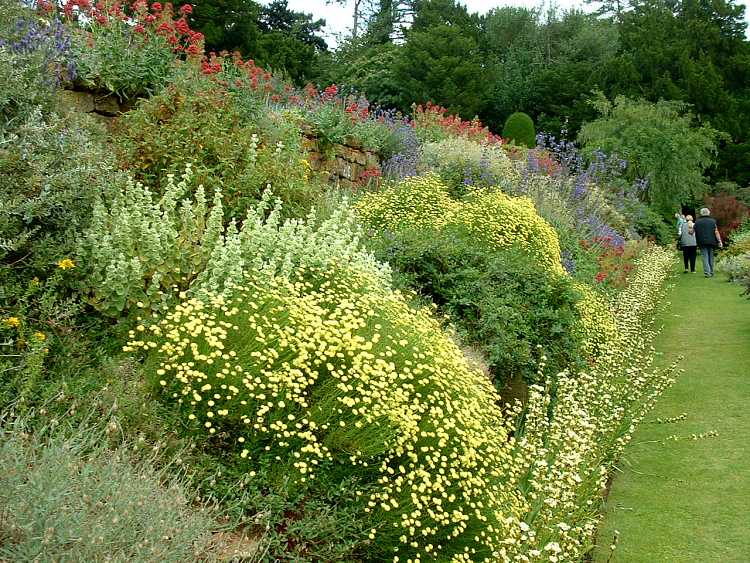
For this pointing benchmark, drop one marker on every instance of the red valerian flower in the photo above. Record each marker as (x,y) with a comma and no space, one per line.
(186,9)
(156,7)
(150,18)
(193,49)
(139,29)
(330,92)
(601,276)
(182,26)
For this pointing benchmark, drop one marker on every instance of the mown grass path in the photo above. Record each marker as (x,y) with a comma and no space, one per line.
(689,500)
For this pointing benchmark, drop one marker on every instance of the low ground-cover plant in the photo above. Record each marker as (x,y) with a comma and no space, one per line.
(570,443)
(67,495)
(328,376)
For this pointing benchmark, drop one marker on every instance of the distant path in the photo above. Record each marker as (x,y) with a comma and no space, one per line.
(689,500)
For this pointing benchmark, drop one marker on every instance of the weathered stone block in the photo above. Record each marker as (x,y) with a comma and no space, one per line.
(359,157)
(107,105)
(79,102)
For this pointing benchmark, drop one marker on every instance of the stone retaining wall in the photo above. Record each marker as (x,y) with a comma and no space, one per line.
(103,107)
(345,164)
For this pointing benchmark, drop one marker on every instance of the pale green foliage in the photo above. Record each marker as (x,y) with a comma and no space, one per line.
(457,158)
(276,247)
(660,142)
(141,249)
(735,267)
(69,498)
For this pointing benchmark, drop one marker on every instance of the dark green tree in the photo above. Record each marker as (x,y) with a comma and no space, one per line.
(274,36)
(441,60)
(693,51)
(228,25)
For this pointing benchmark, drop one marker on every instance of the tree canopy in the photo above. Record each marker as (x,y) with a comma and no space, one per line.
(661,144)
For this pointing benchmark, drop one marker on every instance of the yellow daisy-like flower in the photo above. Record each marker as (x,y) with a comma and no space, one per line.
(13,322)
(40,336)
(66,264)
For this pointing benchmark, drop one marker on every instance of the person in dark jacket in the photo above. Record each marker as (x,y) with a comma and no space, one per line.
(688,243)
(708,238)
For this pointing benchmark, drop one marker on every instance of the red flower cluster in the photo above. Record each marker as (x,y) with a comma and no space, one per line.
(432,115)
(330,93)
(615,262)
(371,173)
(157,19)
(358,111)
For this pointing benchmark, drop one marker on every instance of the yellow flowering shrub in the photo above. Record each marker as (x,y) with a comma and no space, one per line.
(497,221)
(316,376)
(416,202)
(317,379)
(597,322)
(492,219)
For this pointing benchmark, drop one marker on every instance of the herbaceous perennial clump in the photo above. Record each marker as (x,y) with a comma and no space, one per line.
(597,321)
(564,448)
(141,249)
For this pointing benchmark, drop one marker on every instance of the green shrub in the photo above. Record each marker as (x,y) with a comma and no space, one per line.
(503,304)
(51,172)
(739,243)
(196,120)
(66,496)
(650,224)
(736,266)
(519,128)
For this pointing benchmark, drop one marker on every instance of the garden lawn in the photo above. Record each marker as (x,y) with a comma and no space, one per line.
(687,500)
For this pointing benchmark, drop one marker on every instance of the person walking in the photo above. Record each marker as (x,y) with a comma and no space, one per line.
(688,244)
(708,238)
(680,221)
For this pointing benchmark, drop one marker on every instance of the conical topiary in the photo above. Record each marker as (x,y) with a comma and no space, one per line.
(519,128)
